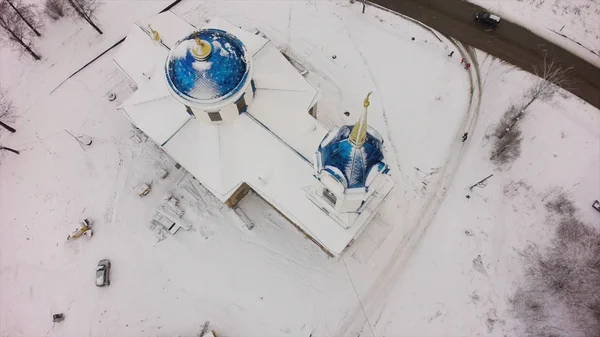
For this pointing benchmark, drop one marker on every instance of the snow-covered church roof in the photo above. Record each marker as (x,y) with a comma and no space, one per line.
(351,153)
(208,68)
(270,146)
(348,163)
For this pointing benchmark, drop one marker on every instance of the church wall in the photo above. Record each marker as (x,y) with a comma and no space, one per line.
(229,112)
(238,195)
(249,95)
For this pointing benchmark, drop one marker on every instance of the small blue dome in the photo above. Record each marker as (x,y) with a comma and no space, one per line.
(354,163)
(221,73)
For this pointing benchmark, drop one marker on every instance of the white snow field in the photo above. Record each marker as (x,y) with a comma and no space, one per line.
(572,24)
(409,274)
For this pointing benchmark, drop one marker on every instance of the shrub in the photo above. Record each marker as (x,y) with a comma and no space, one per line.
(55,9)
(508,148)
(562,206)
(567,272)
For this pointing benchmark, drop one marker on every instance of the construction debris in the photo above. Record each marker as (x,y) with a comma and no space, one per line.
(244,217)
(164,221)
(138,135)
(85,228)
(481,183)
(171,207)
(162,173)
(168,216)
(143,189)
(85,140)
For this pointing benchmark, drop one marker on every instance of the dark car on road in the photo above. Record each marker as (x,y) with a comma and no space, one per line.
(102,273)
(487,19)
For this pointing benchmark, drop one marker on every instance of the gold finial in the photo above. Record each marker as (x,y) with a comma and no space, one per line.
(358,135)
(155,35)
(366,103)
(202,49)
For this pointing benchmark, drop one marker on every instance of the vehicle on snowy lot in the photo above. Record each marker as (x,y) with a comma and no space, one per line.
(596,205)
(85,228)
(58,317)
(488,19)
(102,273)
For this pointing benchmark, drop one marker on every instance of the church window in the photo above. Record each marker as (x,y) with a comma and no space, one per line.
(329,196)
(215,116)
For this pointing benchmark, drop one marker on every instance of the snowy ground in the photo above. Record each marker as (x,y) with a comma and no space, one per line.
(458,280)
(271,281)
(573,24)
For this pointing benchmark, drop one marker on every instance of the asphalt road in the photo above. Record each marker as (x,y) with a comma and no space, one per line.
(509,41)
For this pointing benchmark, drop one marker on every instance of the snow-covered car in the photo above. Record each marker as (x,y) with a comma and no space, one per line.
(487,19)
(102,273)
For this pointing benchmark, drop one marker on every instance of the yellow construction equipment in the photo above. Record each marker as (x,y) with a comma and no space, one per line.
(85,228)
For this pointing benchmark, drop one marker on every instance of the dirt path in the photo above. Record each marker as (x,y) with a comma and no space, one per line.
(509,41)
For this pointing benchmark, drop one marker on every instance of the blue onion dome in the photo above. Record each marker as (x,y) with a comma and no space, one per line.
(207,67)
(348,163)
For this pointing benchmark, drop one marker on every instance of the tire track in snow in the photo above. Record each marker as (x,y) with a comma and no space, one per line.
(375,300)
(110,210)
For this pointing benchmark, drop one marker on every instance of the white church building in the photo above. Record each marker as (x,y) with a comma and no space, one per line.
(231,109)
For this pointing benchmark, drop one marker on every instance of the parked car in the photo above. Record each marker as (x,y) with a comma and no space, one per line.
(102,273)
(487,19)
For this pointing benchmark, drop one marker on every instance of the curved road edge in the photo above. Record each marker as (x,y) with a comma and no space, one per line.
(510,42)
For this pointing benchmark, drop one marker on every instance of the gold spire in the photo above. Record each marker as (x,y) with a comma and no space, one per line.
(201,51)
(358,135)
(155,35)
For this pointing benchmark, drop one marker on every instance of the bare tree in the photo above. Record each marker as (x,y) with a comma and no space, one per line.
(507,149)
(27,13)
(8,127)
(55,9)
(562,206)
(86,9)
(510,118)
(507,137)
(16,32)
(7,110)
(550,77)
(204,329)
(560,296)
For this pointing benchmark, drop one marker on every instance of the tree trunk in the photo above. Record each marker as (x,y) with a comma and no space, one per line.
(513,122)
(499,152)
(94,25)
(27,22)
(23,44)
(9,149)
(535,96)
(12,130)
(84,16)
